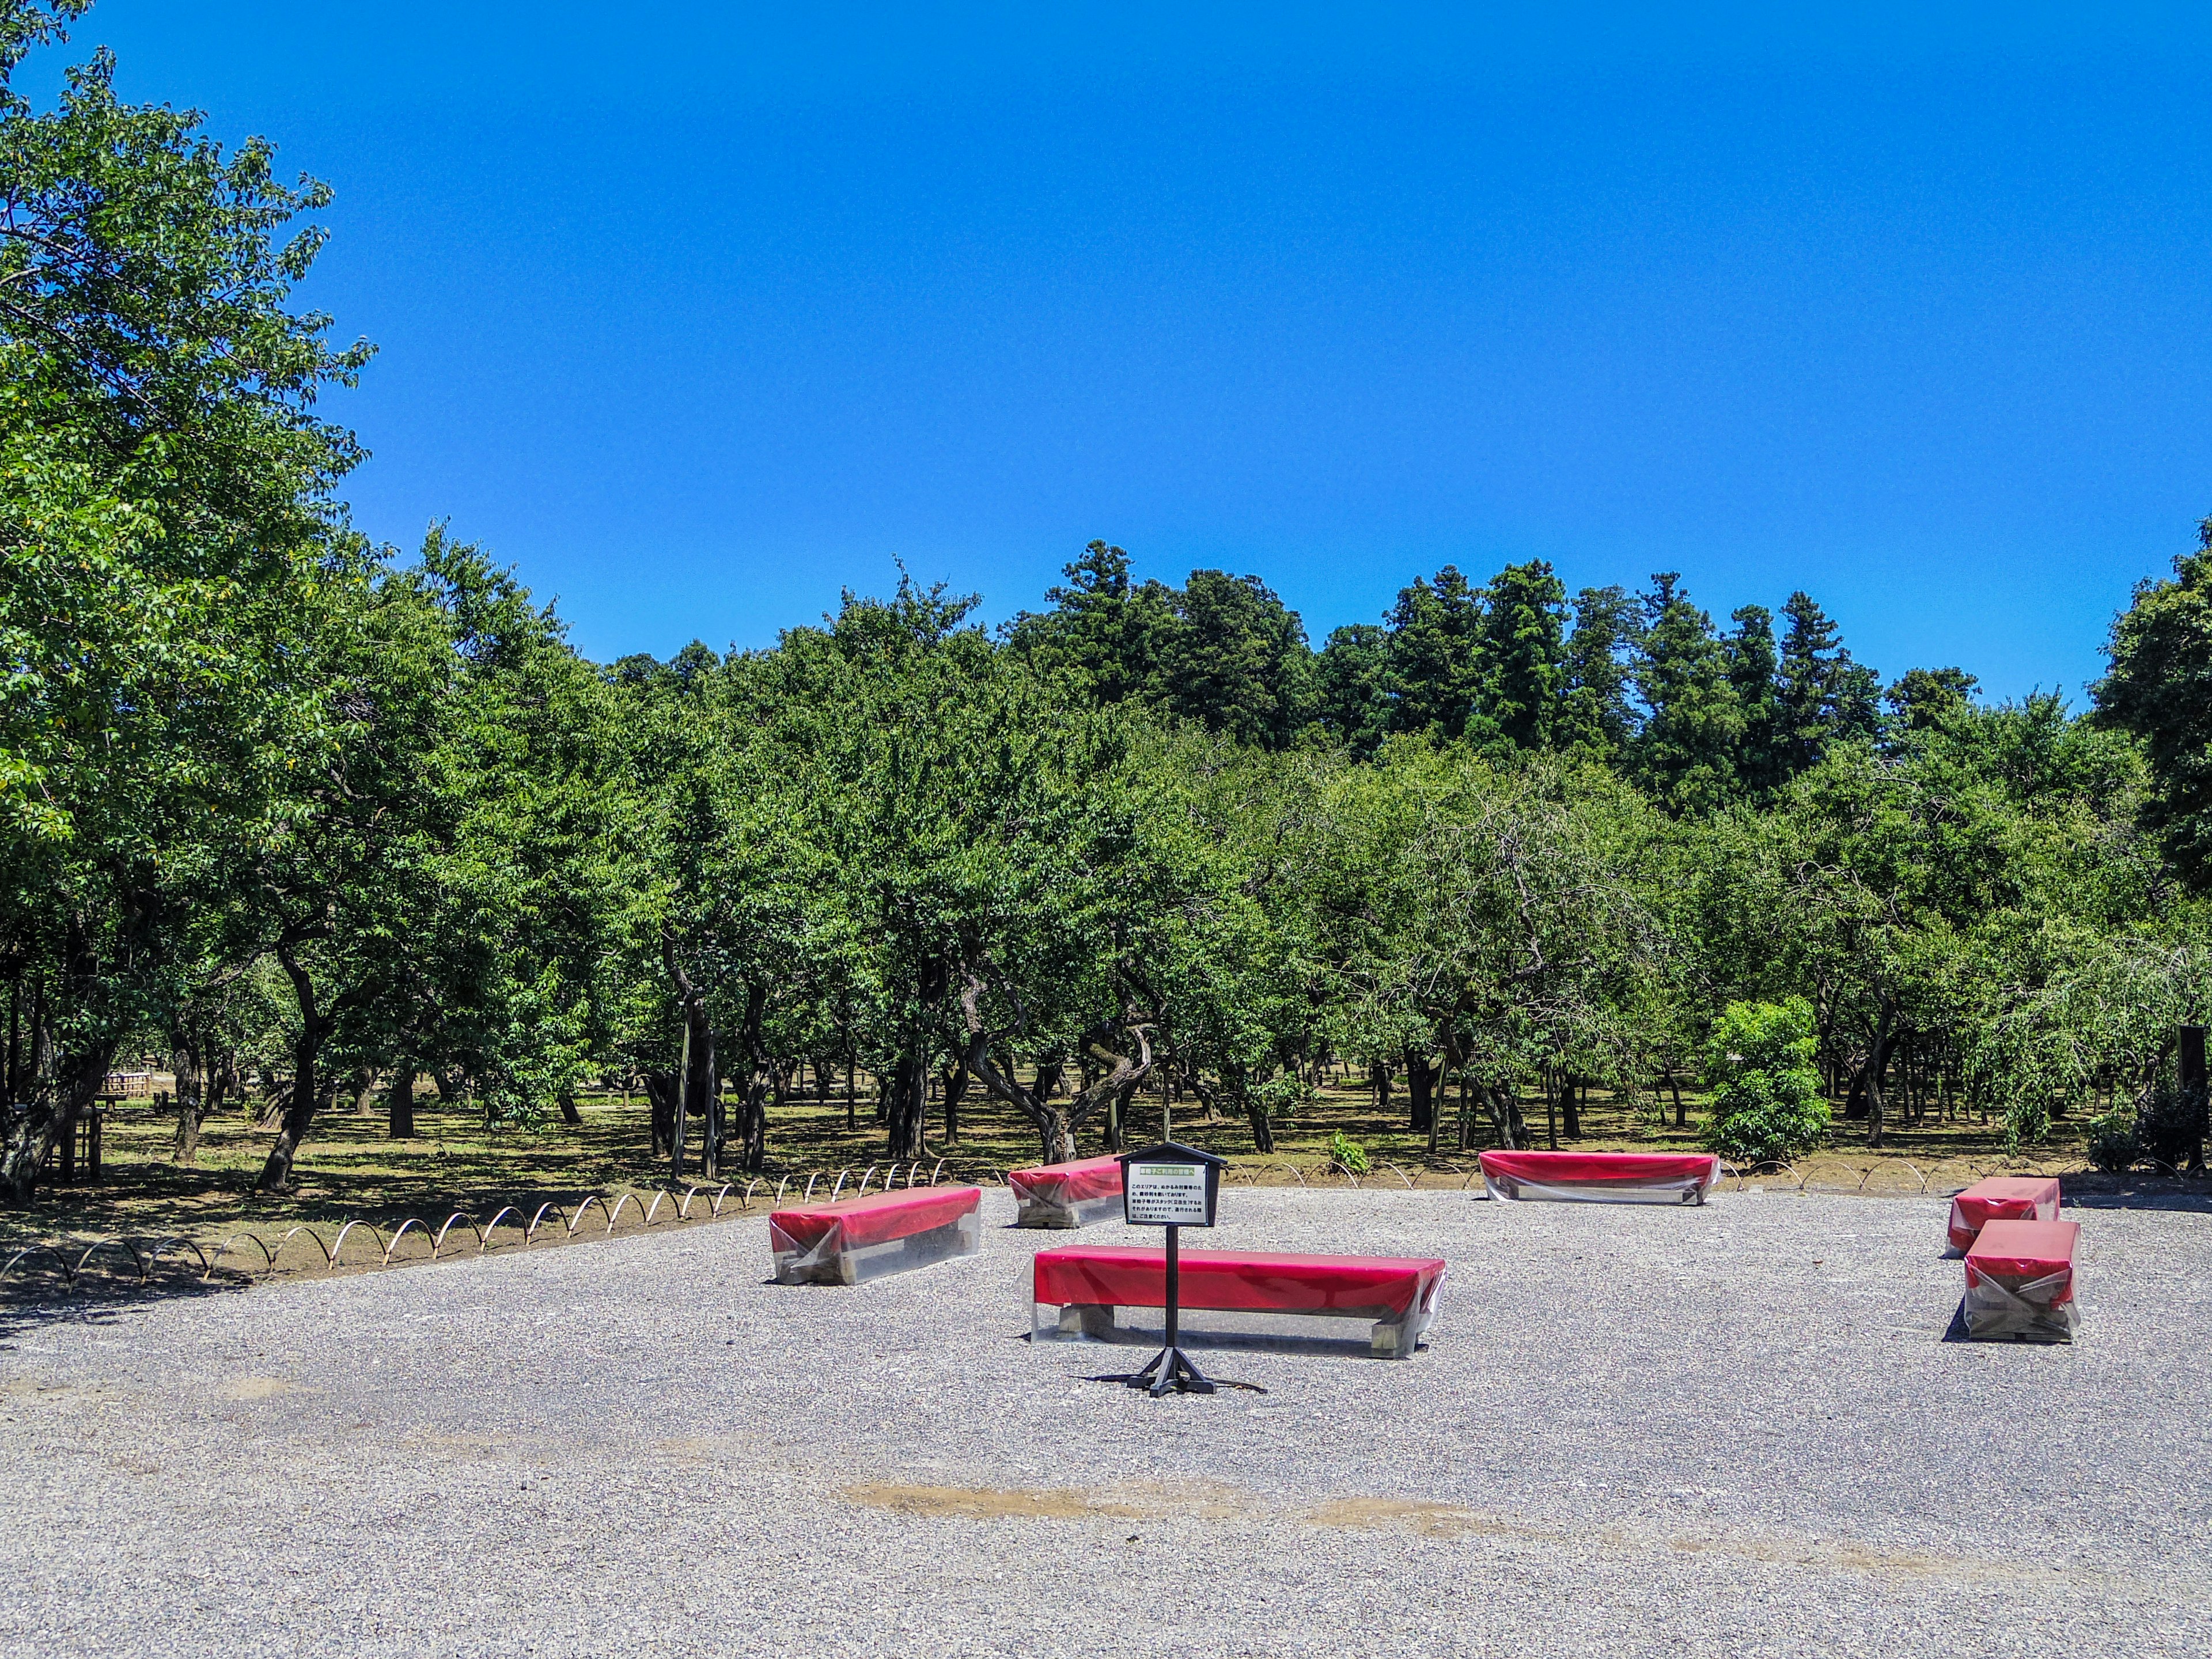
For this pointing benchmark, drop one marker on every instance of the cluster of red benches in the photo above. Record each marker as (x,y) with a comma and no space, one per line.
(2018,1254)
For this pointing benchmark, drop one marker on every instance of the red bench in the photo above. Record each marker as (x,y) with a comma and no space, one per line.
(1066,1195)
(2020,1281)
(1602,1177)
(2001,1198)
(863,1238)
(1081,1289)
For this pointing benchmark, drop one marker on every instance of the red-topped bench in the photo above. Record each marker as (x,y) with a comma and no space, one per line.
(863,1238)
(1602,1177)
(2001,1198)
(2020,1280)
(1081,1290)
(1073,1195)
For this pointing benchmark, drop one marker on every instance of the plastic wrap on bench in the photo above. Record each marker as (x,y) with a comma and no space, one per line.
(1064,1196)
(2020,1281)
(2001,1198)
(1380,1304)
(864,1238)
(1602,1177)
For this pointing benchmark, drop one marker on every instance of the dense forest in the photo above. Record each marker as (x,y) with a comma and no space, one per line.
(311,815)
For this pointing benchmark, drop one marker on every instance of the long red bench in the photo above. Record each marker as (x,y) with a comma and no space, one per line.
(1072,1194)
(2001,1198)
(1081,1289)
(1602,1177)
(858,1239)
(2020,1281)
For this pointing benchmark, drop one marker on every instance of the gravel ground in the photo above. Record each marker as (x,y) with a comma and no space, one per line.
(1736,1430)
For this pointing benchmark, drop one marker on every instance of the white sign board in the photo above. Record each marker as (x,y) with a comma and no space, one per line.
(1166,1194)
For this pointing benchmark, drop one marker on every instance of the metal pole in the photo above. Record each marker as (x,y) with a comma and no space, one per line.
(1175,1285)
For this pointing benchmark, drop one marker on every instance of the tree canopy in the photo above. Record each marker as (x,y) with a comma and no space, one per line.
(267,788)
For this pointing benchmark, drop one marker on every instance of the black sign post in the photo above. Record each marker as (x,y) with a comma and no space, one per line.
(1174,1186)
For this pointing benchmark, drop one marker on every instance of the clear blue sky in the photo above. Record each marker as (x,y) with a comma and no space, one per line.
(699,312)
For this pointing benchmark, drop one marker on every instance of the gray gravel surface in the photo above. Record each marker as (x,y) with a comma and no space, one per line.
(1735,1430)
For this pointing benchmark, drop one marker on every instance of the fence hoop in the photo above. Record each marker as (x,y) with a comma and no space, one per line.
(484,1238)
(400,1232)
(338,1244)
(467,1220)
(292,1233)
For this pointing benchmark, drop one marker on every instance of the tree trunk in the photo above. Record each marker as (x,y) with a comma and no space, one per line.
(1263,1131)
(190,1110)
(361,1084)
(1570,1111)
(906,1115)
(1420,1083)
(956,1090)
(1504,1115)
(661,1088)
(1055,1124)
(1885,1041)
(399,1102)
(570,1115)
(307,1055)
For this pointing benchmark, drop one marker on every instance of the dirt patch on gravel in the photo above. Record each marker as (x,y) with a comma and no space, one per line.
(989,1503)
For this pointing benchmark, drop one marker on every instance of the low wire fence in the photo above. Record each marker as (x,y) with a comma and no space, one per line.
(249,1253)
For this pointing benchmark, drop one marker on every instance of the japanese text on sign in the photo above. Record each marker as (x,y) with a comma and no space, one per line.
(1167,1194)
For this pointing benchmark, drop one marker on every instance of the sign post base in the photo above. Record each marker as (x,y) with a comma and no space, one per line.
(1170,1368)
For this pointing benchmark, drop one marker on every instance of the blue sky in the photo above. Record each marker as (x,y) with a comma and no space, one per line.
(698,313)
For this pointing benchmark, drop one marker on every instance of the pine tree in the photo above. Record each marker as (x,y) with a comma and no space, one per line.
(1435,646)
(1599,718)
(1519,704)
(1688,750)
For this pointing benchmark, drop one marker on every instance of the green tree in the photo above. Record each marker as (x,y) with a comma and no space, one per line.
(168,531)
(1686,753)
(1523,663)
(1826,697)
(1351,687)
(1601,721)
(1435,654)
(1235,661)
(1766,1103)
(2159,688)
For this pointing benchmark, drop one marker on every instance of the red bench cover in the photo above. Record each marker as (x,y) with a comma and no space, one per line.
(1603,1169)
(2001,1198)
(1128,1276)
(1075,1182)
(2017,1254)
(878,1217)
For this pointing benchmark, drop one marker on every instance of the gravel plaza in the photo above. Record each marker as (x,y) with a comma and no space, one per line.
(1741,1429)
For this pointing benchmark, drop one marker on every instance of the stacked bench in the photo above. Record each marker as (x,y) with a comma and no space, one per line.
(858,1239)
(1082,1292)
(2020,1259)
(1065,1195)
(1602,1177)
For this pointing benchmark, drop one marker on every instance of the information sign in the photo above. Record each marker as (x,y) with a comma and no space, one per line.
(1170,1186)
(1174,1186)
(1166,1194)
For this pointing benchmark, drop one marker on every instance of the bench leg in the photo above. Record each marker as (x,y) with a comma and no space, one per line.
(1093,1322)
